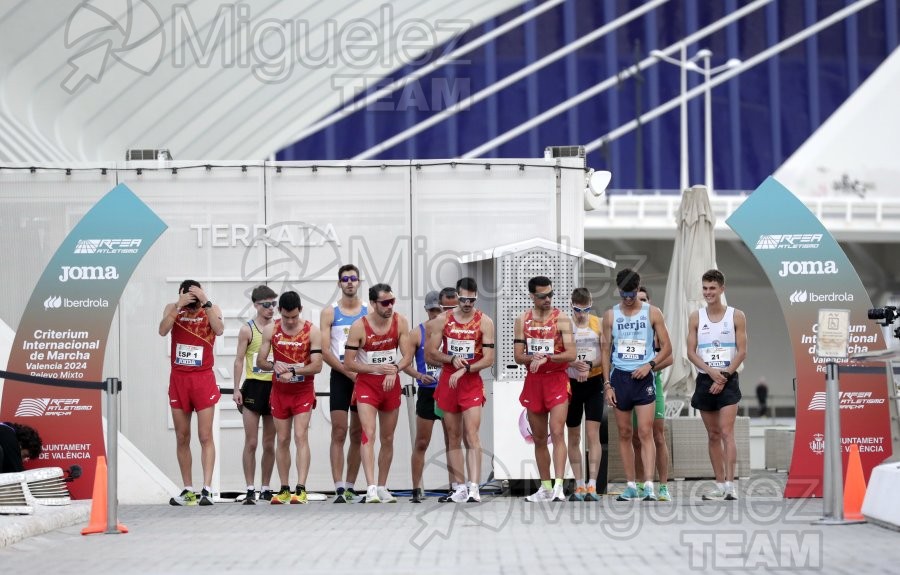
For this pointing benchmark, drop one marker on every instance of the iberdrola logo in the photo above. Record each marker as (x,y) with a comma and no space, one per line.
(130,31)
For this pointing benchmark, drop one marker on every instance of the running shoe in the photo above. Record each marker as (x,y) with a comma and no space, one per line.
(250,499)
(283,497)
(266,495)
(185,498)
(731,495)
(350,495)
(714,495)
(299,495)
(647,494)
(630,494)
(339,495)
(372,495)
(558,493)
(417,495)
(474,495)
(663,494)
(540,495)
(591,494)
(386,496)
(206,497)
(461,495)
(447,497)
(578,494)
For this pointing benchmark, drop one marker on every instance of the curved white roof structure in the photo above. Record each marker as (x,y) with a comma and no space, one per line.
(202,78)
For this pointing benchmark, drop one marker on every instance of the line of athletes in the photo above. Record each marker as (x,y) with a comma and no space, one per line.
(569,361)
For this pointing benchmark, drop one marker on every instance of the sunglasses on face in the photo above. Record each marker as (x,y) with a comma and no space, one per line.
(628,294)
(581,309)
(267,304)
(547,295)
(387,302)
(346,279)
(467,300)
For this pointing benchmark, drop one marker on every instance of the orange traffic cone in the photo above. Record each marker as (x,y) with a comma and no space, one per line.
(97,524)
(854,486)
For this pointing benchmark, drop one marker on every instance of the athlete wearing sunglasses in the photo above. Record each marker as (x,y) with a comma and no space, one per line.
(629,360)
(373,351)
(544,343)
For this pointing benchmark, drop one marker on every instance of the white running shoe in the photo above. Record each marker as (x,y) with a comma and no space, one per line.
(372,495)
(540,495)
(461,495)
(474,495)
(558,493)
(386,496)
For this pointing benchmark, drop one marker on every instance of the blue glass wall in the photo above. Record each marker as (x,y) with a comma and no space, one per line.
(759,117)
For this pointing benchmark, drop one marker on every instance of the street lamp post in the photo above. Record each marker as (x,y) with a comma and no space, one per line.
(687,64)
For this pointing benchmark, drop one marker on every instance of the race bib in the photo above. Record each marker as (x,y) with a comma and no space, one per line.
(257,369)
(297,378)
(433,371)
(587,353)
(631,348)
(382,357)
(464,348)
(536,345)
(191,355)
(714,356)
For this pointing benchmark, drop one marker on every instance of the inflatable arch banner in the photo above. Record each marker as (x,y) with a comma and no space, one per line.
(808,271)
(64,330)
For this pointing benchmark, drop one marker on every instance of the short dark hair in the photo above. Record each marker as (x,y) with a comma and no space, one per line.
(714,276)
(377,289)
(186,285)
(289,300)
(467,284)
(581,295)
(262,292)
(447,293)
(538,281)
(645,290)
(628,280)
(346,268)
(28,439)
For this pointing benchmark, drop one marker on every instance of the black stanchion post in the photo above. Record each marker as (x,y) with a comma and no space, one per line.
(113,386)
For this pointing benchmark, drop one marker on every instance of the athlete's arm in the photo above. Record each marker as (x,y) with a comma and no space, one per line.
(487,346)
(564,325)
(606,344)
(663,357)
(403,344)
(170,313)
(326,321)
(519,354)
(214,314)
(740,341)
(244,335)
(434,330)
(315,356)
(265,348)
(413,340)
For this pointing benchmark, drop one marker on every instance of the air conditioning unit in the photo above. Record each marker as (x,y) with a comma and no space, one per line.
(153,154)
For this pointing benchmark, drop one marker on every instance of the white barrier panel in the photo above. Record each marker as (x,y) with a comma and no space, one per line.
(291,225)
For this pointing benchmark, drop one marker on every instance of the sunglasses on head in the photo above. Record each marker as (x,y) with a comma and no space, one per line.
(346,279)
(267,304)
(628,294)
(387,302)
(547,295)
(467,299)
(581,309)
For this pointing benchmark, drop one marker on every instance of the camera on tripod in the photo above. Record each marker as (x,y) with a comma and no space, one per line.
(887,315)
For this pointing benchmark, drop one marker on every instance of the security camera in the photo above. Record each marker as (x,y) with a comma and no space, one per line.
(594,186)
